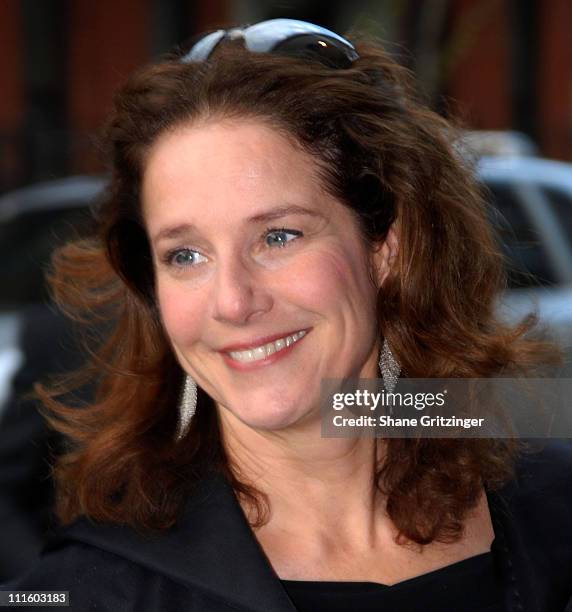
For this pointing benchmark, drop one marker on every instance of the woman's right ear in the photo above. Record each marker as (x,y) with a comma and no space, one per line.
(385,255)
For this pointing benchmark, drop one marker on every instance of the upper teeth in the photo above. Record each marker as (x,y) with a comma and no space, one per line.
(261,352)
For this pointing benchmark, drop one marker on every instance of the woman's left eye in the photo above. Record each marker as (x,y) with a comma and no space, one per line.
(280,237)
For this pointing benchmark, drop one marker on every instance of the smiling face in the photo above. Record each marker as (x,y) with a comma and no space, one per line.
(262,277)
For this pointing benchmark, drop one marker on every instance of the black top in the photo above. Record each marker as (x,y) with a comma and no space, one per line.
(472,581)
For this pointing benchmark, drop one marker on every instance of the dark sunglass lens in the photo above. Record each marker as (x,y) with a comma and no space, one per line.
(326,50)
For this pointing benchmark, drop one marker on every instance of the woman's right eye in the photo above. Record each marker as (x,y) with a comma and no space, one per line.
(184,257)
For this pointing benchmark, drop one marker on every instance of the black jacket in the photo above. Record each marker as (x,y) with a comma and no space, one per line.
(212,563)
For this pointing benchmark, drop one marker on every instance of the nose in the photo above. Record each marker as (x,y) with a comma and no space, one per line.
(239,293)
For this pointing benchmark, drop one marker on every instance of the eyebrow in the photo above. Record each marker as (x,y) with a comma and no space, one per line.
(278,212)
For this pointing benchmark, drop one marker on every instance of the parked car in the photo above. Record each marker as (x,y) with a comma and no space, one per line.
(532,200)
(33,220)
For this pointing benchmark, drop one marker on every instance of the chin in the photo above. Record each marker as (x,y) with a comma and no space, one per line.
(270,414)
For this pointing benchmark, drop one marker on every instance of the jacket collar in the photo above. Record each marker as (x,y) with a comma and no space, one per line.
(211,548)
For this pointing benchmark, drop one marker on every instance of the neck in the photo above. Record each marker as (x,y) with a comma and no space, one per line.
(309,481)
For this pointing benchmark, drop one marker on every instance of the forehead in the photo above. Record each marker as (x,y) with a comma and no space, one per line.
(233,168)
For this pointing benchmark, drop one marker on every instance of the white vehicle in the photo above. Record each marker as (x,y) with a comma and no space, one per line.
(534,197)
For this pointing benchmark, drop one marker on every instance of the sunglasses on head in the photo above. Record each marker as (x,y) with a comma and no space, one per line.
(288,37)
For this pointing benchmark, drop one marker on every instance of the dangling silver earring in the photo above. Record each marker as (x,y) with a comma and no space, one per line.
(187,405)
(389,368)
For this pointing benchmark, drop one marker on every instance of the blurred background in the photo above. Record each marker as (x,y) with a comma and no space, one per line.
(503,67)
(501,64)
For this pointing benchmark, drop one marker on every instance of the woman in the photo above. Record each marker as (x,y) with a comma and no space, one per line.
(282,210)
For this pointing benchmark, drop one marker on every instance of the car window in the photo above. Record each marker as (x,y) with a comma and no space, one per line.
(527,262)
(561,202)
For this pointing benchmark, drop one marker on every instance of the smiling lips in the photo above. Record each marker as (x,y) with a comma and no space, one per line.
(264,351)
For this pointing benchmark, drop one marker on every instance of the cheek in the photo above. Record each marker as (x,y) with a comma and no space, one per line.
(335,277)
(181,311)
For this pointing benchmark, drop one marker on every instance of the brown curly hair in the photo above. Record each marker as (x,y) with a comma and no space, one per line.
(384,155)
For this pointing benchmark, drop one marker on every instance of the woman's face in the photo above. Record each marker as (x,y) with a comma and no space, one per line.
(249,250)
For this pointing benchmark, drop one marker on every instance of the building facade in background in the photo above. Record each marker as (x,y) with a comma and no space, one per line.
(499,64)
